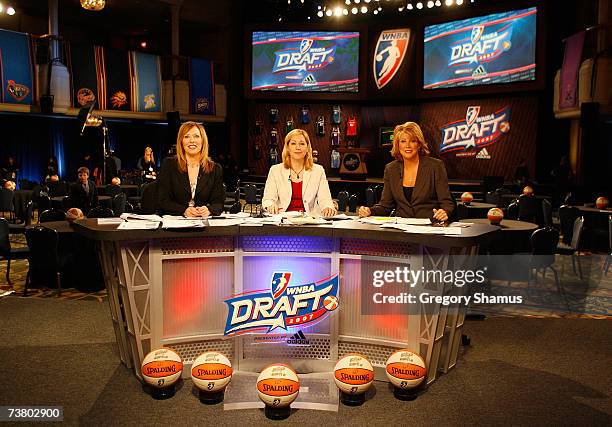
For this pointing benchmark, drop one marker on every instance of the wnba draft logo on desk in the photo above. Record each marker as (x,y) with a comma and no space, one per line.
(282,306)
(389,55)
(468,136)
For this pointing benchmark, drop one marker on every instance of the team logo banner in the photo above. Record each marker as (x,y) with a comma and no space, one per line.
(282,306)
(389,54)
(472,133)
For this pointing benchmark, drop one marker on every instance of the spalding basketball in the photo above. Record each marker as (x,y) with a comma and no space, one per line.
(528,191)
(330,303)
(161,368)
(211,372)
(467,198)
(278,386)
(406,369)
(495,216)
(379,57)
(601,202)
(353,374)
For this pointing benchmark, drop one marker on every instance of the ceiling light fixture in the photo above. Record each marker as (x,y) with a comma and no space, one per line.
(95,5)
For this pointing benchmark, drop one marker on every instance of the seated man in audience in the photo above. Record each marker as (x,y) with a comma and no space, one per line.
(114,187)
(83,194)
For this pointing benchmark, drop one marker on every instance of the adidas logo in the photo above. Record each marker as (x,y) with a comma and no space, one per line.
(479,71)
(298,339)
(309,80)
(483,154)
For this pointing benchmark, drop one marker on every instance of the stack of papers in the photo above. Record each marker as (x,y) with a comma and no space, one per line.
(377,220)
(138,222)
(419,229)
(306,220)
(225,222)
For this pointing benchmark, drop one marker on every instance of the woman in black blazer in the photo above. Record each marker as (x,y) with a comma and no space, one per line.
(190,183)
(415,185)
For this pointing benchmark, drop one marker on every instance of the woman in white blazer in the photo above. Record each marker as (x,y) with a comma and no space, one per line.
(297,184)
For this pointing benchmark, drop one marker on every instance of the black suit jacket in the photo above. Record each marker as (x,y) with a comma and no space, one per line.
(175,192)
(430,190)
(82,200)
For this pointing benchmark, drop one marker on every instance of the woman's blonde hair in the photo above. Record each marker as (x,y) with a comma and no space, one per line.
(205,161)
(308,162)
(412,130)
(151,157)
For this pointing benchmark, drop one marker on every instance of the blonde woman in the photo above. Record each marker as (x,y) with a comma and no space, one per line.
(415,185)
(190,183)
(147,164)
(297,184)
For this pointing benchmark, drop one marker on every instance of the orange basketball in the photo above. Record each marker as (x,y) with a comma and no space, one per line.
(495,216)
(406,369)
(278,385)
(211,371)
(353,374)
(162,367)
(601,202)
(330,302)
(467,198)
(528,191)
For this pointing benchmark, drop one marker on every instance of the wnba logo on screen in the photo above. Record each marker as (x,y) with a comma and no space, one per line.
(467,136)
(281,306)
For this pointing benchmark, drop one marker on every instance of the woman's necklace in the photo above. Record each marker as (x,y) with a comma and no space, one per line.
(297,174)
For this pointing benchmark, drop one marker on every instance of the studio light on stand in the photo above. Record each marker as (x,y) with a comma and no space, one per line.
(91,120)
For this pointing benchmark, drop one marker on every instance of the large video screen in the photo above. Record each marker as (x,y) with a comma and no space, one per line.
(497,48)
(305,61)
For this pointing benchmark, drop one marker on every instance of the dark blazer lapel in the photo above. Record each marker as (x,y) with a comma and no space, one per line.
(421,179)
(398,181)
(201,181)
(184,180)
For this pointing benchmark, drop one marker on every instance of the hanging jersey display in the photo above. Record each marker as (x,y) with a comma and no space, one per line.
(305,115)
(273,137)
(335,136)
(351,126)
(320,126)
(289,125)
(336,115)
(258,127)
(335,159)
(257,150)
(273,115)
(273,155)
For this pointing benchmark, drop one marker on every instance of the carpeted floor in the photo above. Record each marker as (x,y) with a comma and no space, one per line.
(518,371)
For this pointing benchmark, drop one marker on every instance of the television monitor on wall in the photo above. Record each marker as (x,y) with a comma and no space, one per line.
(305,61)
(492,49)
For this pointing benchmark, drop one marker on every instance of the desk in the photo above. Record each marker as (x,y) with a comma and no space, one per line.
(473,210)
(514,238)
(166,288)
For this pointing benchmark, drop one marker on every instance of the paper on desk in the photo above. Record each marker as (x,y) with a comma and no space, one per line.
(460,224)
(182,223)
(110,221)
(424,229)
(377,220)
(341,216)
(225,222)
(306,220)
(156,218)
(414,221)
(138,225)
(237,215)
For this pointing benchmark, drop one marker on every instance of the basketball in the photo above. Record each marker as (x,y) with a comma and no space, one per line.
(161,368)
(406,369)
(379,57)
(495,216)
(278,385)
(528,191)
(601,202)
(211,372)
(467,198)
(330,302)
(353,374)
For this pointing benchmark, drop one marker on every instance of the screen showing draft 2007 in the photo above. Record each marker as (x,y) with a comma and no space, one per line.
(305,61)
(498,48)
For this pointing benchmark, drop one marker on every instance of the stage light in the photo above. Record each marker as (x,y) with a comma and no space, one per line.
(354,11)
(345,11)
(94,5)
(438,3)
(459,2)
(419,5)
(357,1)
(410,6)
(448,2)
(347,2)
(10,11)
(320,14)
(400,9)
(143,44)
(375,11)
(328,12)
(367,1)
(380,8)
(319,6)
(430,4)
(280,18)
(364,9)
(288,1)
(337,11)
